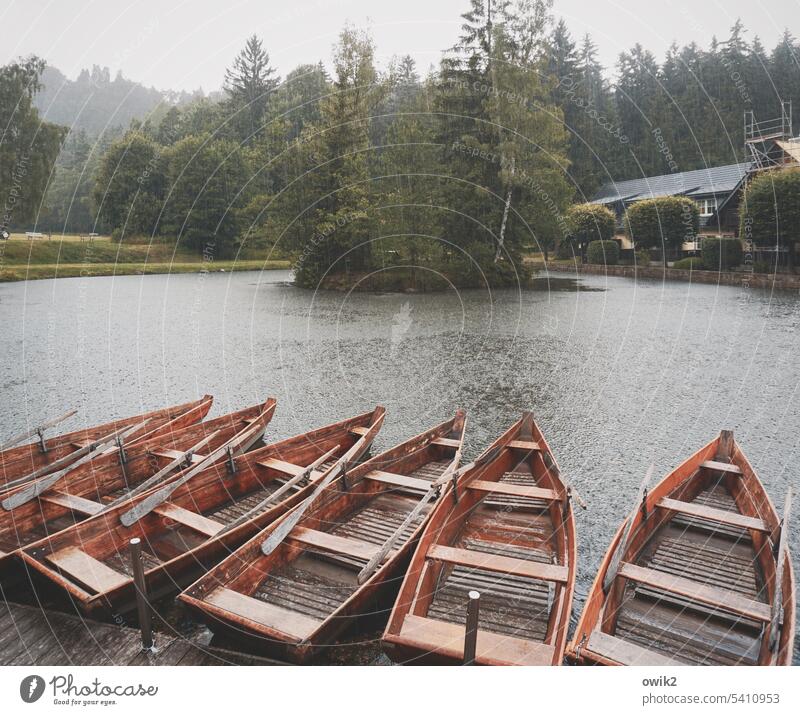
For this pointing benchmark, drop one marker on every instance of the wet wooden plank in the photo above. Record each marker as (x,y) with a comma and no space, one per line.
(337,544)
(709,595)
(513,490)
(177,454)
(86,569)
(447,442)
(721,467)
(69,501)
(266,614)
(192,519)
(448,639)
(398,480)
(525,445)
(32,636)
(621,651)
(280,465)
(501,564)
(710,513)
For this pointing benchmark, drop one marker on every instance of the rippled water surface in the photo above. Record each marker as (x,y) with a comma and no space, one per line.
(619,374)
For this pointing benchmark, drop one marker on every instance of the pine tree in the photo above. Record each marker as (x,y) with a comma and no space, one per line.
(249,83)
(342,219)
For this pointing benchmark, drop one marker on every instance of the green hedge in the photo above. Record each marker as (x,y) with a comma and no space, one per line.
(603,252)
(590,222)
(769,213)
(720,254)
(664,222)
(689,264)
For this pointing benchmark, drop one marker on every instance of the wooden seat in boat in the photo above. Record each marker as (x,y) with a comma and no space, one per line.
(292,623)
(399,480)
(708,513)
(524,444)
(498,563)
(514,490)
(721,467)
(447,442)
(190,519)
(86,570)
(697,592)
(434,636)
(332,543)
(625,652)
(71,502)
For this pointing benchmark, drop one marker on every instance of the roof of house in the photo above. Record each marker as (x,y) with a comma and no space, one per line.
(711,180)
(791,147)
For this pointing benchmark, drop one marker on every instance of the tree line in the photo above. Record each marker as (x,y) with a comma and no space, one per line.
(463,169)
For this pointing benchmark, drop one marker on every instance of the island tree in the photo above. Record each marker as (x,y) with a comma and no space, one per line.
(28,146)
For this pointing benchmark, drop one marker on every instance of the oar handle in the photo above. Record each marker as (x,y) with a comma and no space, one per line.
(17,438)
(36,488)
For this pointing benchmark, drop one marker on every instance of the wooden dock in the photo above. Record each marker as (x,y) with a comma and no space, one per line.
(34,636)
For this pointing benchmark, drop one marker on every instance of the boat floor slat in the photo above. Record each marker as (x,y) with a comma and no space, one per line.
(518,607)
(687,636)
(300,590)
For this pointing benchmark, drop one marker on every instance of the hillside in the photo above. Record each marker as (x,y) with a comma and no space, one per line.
(96,103)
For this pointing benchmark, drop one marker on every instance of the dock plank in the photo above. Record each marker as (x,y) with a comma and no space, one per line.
(37,637)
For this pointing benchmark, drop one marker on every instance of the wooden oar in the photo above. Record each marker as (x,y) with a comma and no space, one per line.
(432,493)
(180,460)
(42,485)
(613,567)
(144,507)
(777,599)
(277,494)
(279,534)
(72,458)
(53,466)
(22,436)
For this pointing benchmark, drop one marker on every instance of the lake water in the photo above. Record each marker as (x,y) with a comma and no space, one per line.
(619,373)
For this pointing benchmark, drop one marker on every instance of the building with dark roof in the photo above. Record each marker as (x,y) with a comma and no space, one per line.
(715,189)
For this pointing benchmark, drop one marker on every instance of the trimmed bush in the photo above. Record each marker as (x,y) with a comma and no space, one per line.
(689,264)
(603,253)
(664,222)
(721,254)
(769,213)
(643,258)
(590,222)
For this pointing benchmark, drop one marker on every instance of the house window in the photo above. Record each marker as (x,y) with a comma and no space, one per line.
(707,206)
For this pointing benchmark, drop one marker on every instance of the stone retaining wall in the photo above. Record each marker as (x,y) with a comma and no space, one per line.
(779,281)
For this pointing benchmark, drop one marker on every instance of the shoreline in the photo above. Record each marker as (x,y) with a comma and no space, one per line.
(778,281)
(48,271)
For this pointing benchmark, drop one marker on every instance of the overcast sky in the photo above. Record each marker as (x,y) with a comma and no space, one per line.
(183,44)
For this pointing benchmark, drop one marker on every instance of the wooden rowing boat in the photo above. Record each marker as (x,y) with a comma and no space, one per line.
(59,500)
(194,521)
(699,573)
(22,462)
(316,579)
(505,529)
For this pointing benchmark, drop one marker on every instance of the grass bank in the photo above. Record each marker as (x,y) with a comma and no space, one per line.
(69,257)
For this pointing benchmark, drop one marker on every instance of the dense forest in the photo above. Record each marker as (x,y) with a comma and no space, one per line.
(350,168)
(96,104)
